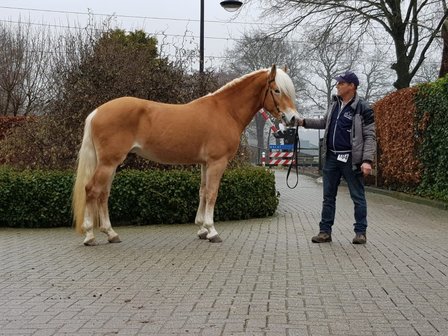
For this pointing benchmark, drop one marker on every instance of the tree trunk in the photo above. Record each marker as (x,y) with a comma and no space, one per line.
(444,63)
(401,67)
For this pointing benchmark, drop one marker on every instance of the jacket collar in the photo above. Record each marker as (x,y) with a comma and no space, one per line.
(353,103)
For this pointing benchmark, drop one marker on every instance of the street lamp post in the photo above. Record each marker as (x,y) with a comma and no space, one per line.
(230,6)
(201,41)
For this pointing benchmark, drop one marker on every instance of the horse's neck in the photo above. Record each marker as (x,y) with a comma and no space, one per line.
(244,99)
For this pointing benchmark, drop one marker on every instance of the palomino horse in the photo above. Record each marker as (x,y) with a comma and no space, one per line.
(205,131)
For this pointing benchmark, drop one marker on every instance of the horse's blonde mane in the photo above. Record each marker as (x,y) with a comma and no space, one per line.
(282,79)
(237,80)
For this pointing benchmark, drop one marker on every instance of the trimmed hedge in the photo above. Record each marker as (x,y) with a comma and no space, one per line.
(432,135)
(33,199)
(412,129)
(43,198)
(394,117)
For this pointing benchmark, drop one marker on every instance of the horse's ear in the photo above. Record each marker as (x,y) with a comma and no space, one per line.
(285,68)
(272,73)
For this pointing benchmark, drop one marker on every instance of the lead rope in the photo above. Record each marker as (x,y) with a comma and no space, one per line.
(295,161)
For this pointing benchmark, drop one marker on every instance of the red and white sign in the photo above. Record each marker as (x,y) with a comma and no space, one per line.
(280,158)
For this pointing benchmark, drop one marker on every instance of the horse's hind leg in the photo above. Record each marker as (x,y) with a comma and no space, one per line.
(97,193)
(89,222)
(105,225)
(202,233)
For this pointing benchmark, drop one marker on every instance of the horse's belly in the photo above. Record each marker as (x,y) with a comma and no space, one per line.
(166,155)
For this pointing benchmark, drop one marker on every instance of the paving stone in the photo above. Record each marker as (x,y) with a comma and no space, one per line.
(265,278)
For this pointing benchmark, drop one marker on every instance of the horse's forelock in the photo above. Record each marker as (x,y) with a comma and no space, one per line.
(285,83)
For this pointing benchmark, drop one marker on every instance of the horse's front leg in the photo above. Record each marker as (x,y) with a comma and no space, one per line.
(213,179)
(203,232)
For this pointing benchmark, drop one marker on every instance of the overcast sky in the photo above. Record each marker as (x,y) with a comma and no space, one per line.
(173,17)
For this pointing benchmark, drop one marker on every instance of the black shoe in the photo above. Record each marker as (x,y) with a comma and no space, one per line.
(360,238)
(322,237)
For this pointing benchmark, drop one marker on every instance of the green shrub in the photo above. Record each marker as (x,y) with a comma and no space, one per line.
(432,132)
(43,198)
(246,193)
(154,196)
(35,199)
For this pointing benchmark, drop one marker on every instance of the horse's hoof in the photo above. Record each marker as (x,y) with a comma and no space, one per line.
(115,239)
(90,242)
(215,239)
(203,235)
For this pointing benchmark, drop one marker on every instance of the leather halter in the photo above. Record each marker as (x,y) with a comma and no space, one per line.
(268,89)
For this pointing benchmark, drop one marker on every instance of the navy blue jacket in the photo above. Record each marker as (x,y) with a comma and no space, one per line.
(340,128)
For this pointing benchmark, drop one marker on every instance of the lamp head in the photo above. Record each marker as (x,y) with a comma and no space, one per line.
(231,5)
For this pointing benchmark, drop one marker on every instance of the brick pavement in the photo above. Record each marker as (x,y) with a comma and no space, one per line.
(266,278)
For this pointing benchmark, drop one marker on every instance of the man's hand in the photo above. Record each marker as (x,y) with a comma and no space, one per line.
(299,122)
(366,168)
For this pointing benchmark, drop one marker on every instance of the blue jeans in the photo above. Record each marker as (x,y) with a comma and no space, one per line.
(332,172)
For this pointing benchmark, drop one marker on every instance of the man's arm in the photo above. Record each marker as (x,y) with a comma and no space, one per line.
(369,135)
(313,123)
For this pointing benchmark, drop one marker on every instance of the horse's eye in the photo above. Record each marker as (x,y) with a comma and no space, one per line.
(277,91)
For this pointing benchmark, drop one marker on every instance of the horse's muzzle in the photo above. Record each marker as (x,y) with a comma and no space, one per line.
(289,119)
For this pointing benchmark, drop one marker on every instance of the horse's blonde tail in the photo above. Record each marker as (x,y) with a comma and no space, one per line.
(87,162)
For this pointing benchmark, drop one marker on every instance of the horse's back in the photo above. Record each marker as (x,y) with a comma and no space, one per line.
(127,114)
(120,108)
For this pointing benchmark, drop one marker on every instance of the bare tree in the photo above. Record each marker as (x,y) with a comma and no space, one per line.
(375,75)
(24,67)
(411,25)
(326,56)
(429,71)
(258,50)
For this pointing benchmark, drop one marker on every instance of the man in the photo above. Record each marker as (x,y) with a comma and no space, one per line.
(349,145)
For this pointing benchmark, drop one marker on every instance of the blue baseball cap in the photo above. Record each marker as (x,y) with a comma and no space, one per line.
(348,77)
